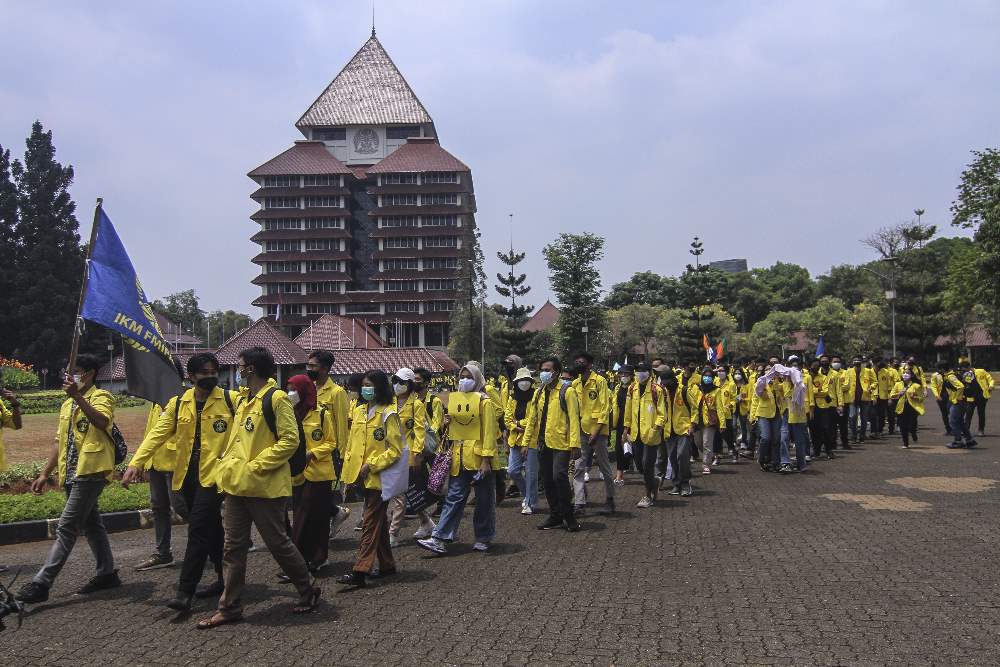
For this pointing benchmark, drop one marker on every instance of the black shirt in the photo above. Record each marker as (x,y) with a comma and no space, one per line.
(196,448)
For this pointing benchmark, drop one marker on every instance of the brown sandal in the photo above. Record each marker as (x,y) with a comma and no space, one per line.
(217,619)
(309,603)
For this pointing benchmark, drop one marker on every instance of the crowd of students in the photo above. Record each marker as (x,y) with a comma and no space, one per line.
(230,460)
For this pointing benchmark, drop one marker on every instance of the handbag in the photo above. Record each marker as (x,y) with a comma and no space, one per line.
(417,496)
(437,482)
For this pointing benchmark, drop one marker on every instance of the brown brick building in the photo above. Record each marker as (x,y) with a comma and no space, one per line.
(368,216)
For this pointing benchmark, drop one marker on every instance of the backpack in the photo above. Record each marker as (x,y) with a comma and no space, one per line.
(297,463)
(121,448)
(431,437)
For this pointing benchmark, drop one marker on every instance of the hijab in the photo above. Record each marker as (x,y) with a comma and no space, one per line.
(307,395)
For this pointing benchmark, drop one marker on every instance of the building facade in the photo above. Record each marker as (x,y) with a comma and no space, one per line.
(368,216)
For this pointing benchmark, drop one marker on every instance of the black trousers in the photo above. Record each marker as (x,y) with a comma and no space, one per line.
(649,455)
(943,407)
(908,424)
(842,420)
(311,520)
(555,475)
(980,407)
(205,534)
(825,428)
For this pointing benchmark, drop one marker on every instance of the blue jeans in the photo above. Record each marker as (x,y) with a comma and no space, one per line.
(800,435)
(484,517)
(522,467)
(859,413)
(79,516)
(785,456)
(956,418)
(770,436)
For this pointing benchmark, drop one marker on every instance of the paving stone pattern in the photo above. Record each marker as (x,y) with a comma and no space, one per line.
(754,569)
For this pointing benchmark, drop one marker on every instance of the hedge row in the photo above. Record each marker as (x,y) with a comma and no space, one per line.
(28,472)
(49,505)
(40,402)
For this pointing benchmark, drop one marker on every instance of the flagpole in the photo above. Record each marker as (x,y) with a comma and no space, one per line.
(75,345)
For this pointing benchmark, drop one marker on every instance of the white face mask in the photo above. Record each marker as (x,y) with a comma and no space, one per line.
(566,382)
(545,377)
(400,389)
(524,385)
(738,377)
(77,380)
(642,376)
(466,384)
(293,396)
(835,365)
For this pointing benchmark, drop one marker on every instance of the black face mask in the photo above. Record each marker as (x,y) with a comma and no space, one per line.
(208,383)
(313,375)
(581,368)
(418,387)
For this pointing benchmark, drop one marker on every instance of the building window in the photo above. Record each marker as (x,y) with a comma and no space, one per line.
(321,179)
(440,199)
(439,306)
(323,202)
(281,202)
(330,133)
(291,309)
(400,242)
(282,246)
(441,242)
(439,284)
(399,221)
(322,244)
(282,267)
(324,265)
(281,223)
(401,286)
(441,263)
(281,181)
(284,288)
(322,308)
(324,223)
(325,287)
(271,309)
(399,200)
(399,264)
(439,221)
(436,334)
(441,177)
(399,179)
(403,307)
(360,308)
(402,132)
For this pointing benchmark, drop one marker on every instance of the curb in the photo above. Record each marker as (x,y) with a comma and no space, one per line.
(45,529)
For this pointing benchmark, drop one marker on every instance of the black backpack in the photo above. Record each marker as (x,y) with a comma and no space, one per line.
(297,463)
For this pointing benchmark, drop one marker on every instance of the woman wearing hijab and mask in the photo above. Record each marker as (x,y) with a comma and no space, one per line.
(472,427)
(312,490)
(375,443)
(909,395)
(522,465)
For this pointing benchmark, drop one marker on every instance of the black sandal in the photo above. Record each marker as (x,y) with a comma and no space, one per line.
(352,579)
(309,603)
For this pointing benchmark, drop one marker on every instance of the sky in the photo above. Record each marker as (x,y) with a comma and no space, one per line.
(775,131)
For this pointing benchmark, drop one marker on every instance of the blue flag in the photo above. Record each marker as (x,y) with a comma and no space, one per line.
(115,299)
(820,346)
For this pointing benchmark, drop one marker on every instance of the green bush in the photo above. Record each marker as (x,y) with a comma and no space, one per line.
(40,402)
(20,472)
(18,379)
(49,505)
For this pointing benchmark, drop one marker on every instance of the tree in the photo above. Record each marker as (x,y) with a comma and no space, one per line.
(772,333)
(49,268)
(544,343)
(866,330)
(633,325)
(645,287)
(747,300)
(851,284)
(575,280)
(220,326)
(828,317)
(789,286)
(679,332)
(182,309)
(512,287)
(8,255)
(963,297)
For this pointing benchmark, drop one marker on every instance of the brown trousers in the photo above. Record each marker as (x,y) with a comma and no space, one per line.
(311,505)
(374,535)
(268,514)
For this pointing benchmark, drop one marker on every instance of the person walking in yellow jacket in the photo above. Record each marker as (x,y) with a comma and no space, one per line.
(956,379)
(978,397)
(198,424)
(9,418)
(522,465)
(472,426)
(825,402)
(254,476)
(858,389)
(413,416)
(85,456)
(887,379)
(908,397)
(678,431)
(595,409)
(338,404)
(936,386)
(767,390)
(645,421)
(552,425)
(711,416)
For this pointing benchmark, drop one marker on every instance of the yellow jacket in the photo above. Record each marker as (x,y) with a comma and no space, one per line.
(95,450)
(376,439)
(595,399)
(914,395)
(6,421)
(646,413)
(729,391)
(824,390)
(955,387)
(255,462)
(163,459)
(434,409)
(798,415)
(849,382)
(887,379)
(510,420)
(216,428)
(413,417)
(334,398)
(937,385)
(713,402)
(474,429)
(985,380)
(321,439)
(678,412)
(562,427)
(767,404)
(744,393)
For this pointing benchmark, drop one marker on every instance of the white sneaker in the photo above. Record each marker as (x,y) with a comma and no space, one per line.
(599,476)
(645,501)
(526,510)
(343,514)
(393,541)
(425,530)
(481,546)
(433,544)
(586,477)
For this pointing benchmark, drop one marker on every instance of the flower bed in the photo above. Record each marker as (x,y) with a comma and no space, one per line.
(39,402)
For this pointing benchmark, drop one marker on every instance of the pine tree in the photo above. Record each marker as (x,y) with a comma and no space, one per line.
(8,255)
(512,287)
(50,262)
(576,282)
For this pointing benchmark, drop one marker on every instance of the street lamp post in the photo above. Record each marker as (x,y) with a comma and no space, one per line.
(890,294)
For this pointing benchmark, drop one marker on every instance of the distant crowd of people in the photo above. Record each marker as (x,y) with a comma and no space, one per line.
(285,459)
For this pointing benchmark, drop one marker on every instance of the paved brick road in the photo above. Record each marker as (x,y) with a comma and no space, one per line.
(755,568)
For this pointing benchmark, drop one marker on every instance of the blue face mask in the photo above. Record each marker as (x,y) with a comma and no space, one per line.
(567,383)
(545,377)
(368,393)
(707,379)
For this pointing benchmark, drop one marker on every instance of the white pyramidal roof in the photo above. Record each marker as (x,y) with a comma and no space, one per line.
(368,91)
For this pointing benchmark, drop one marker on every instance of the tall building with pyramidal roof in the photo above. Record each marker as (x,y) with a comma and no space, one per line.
(367,216)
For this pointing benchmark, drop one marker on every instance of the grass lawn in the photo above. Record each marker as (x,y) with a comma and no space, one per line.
(34,441)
